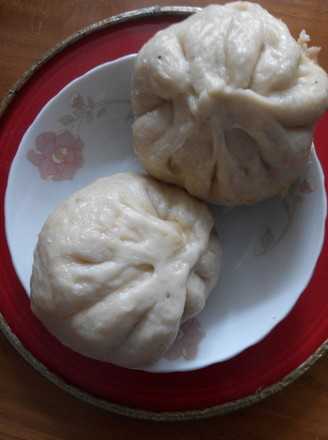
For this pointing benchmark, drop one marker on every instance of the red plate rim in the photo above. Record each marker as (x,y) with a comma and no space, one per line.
(268,366)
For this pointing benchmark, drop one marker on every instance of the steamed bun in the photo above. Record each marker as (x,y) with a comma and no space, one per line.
(225,104)
(120,264)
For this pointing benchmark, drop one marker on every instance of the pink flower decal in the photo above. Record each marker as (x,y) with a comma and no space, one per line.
(76,100)
(296,195)
(57,156)
(307,185)
(186,343)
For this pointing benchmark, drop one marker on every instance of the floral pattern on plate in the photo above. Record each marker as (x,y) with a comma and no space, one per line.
(297,191)
(186,343)
(58,155)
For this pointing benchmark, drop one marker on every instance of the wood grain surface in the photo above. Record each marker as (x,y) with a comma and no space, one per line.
(31,408)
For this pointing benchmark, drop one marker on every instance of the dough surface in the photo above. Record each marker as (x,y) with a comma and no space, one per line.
(225,104)
(120,264)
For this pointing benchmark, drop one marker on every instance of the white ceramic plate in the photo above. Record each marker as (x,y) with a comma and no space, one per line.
(270,249)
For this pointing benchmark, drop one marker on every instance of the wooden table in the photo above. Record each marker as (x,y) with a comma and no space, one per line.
(33,408)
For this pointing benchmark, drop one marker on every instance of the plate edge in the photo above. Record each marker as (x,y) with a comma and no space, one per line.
(179,415)
(148,12)
(221,409)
